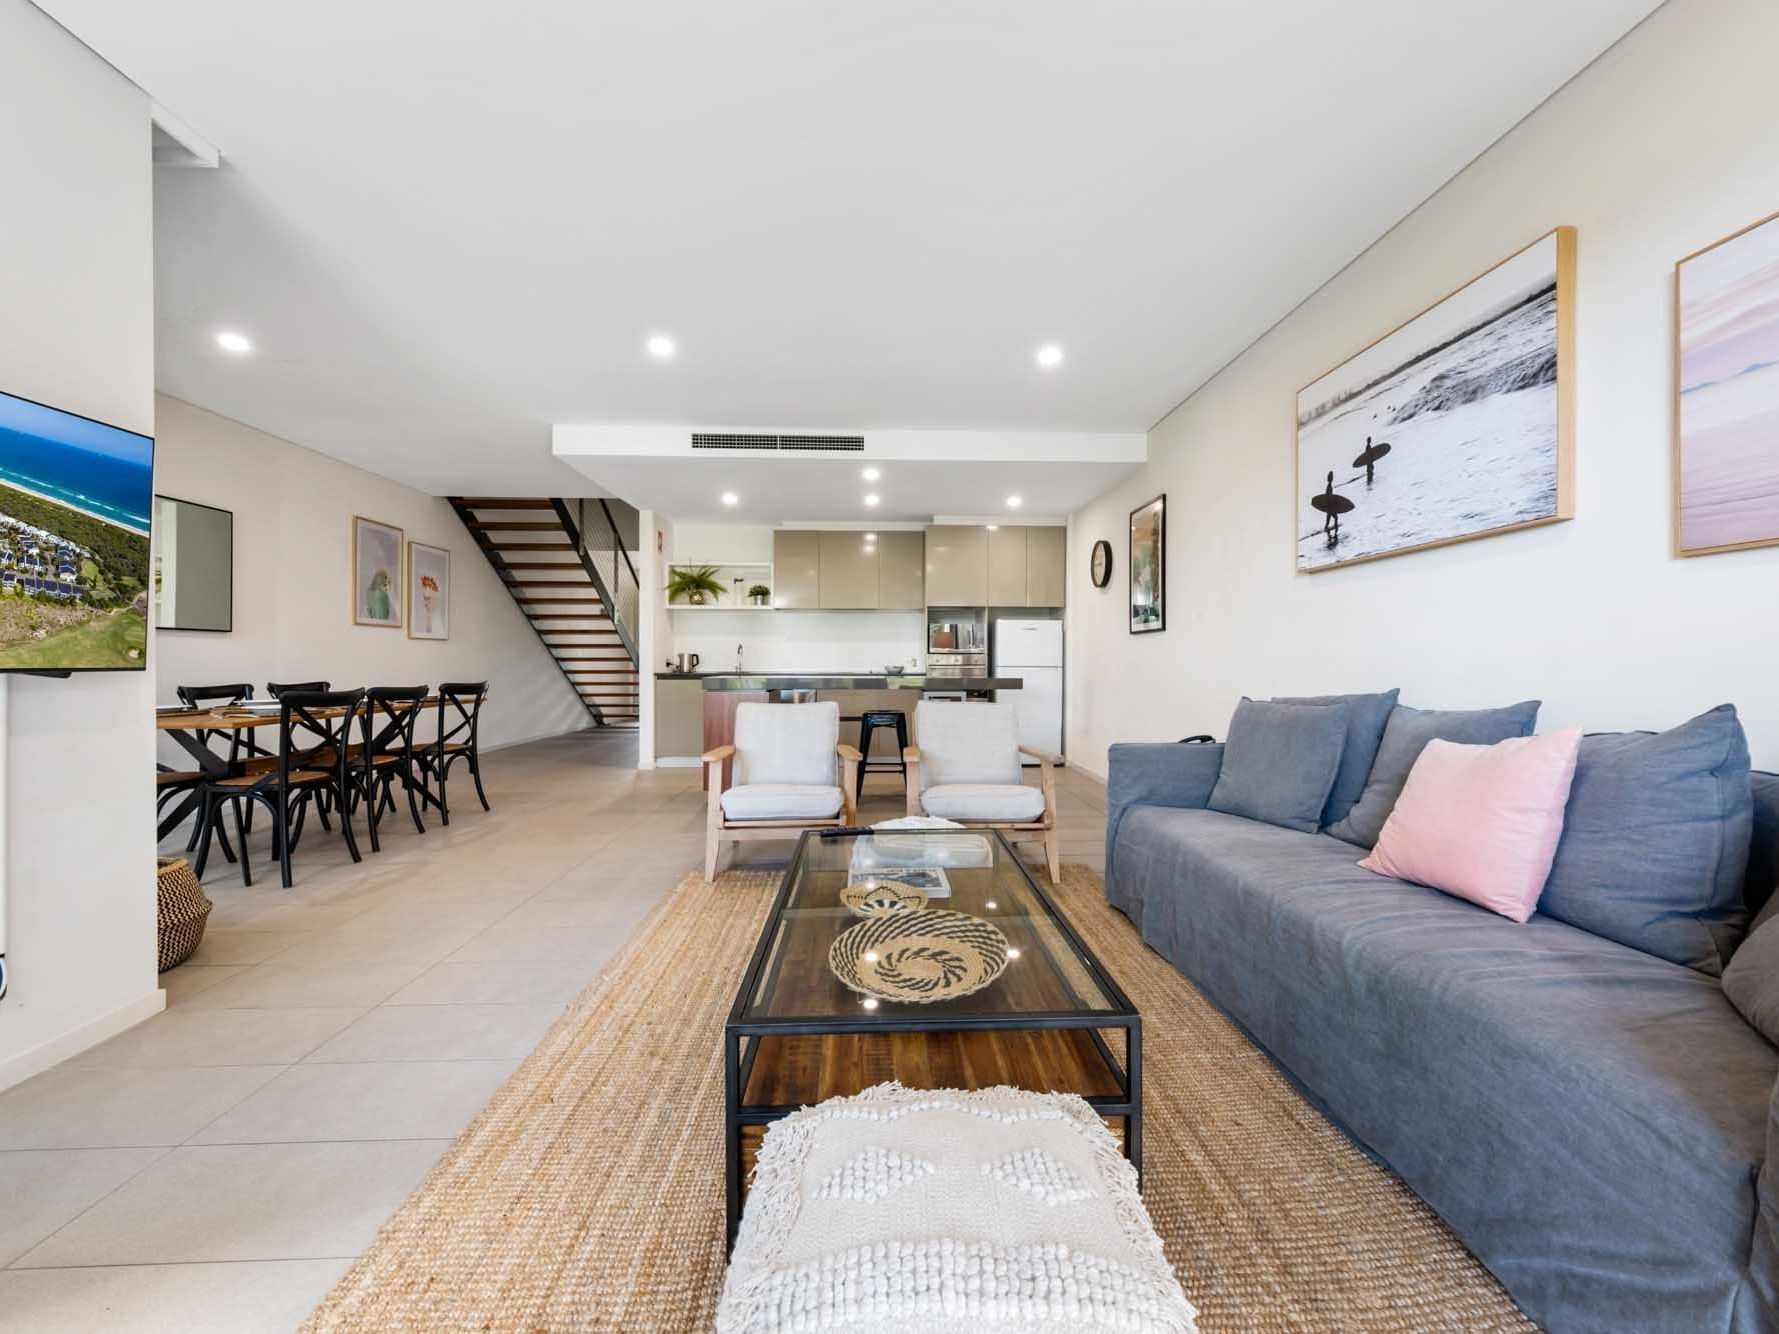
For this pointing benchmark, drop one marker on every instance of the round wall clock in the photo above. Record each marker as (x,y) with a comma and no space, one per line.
(1100,566)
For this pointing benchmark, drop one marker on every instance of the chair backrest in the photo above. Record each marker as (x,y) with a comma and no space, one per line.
(787,743)
(460,711)
(961,742)
(202,697)
(390,713)
(277,689)
(327,735)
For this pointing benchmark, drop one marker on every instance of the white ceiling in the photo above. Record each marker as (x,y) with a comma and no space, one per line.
(448,224)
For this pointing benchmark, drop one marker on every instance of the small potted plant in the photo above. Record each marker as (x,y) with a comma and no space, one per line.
(759,595)
(695,584)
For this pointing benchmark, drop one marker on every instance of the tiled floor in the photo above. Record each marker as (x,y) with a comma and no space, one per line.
(217,1167)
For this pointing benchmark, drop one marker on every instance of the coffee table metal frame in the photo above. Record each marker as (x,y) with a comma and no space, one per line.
(738,1064)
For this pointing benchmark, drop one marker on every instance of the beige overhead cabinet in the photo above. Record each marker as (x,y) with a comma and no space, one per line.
(957,565)
(901,571)
(848,572)
(1046,577)
(796,568)
(1006,566)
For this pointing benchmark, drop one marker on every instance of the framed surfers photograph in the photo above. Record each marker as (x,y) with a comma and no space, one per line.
(1457,425)
(1147,567)
(429,592)
(1726,394)
(376,574)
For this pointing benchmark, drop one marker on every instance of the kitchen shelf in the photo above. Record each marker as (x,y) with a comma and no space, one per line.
(716,606)
(730,573)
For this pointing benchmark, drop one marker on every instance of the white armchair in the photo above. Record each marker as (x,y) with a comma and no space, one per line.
(965,767)
(790,773)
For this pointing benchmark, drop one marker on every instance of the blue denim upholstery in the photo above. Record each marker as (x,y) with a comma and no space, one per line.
(1367,716)
(1280,761)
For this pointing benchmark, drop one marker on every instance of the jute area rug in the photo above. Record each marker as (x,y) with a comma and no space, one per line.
(588,1194)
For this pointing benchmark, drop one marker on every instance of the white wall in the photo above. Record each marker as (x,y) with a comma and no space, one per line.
(293,551)
(76,331)
(1663,146)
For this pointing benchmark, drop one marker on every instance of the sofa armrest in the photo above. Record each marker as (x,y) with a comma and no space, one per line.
(1154,774)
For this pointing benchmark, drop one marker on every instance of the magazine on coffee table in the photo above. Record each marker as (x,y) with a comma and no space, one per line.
(929,880)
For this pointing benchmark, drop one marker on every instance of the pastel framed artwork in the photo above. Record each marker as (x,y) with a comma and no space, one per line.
(376,574)
(429,592)
(1726,393)
(1456,425)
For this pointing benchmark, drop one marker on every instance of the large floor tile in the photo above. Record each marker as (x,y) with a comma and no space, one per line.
(228,944)
(67,1108)
(190,1036)
(190,979)
(418,942)
(498,983)
(278,986)
(388,1100)
(534,942)
(268,1297)
(245,1202)
(45,1188)
(441,1033)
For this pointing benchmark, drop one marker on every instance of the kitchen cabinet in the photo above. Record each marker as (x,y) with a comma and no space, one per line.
(901,571)
(796,568)
(1006,566)
(679,717)
(848,575)
(957,565)
(1046,576)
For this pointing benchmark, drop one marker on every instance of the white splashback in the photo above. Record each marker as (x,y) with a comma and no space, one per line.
(800,641)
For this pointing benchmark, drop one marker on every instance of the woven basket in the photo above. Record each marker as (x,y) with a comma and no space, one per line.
(181,909)
(882,898)
(919,957)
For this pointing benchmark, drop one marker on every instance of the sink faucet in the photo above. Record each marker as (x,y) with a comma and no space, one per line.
(738,659)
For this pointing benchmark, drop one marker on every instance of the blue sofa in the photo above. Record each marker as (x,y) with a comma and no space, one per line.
(1597,1124)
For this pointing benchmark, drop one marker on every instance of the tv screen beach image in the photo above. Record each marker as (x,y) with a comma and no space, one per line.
(75,498)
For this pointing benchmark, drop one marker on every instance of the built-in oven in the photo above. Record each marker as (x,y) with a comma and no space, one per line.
(952,662)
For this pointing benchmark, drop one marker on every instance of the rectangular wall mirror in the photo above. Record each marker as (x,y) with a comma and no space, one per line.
(194,566)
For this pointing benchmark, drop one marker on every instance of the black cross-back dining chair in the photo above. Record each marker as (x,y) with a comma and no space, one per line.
(389,755)
(241,749)
(278,690)
(315,759)
(460,713)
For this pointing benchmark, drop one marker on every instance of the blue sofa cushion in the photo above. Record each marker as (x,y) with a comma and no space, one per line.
(1279,762)
(1405,736)
(1588,1118)
(1655,841)
(1367,716)
(1751,980)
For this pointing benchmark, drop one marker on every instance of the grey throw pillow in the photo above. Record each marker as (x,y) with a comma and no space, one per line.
(1751,982)
(1279,762)
(1367,716)
(1655,840)
(1405,736)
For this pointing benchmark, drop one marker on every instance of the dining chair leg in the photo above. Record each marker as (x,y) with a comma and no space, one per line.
(284,828)
(444,806)
(241,833)
(208,825)
(413,804)
(475,772)
(343,802)
(373,807)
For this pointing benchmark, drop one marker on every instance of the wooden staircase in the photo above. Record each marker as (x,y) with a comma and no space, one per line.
(535,548)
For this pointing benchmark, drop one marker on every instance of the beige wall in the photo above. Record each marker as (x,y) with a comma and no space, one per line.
(76,331)
(1662,146)
(293,550)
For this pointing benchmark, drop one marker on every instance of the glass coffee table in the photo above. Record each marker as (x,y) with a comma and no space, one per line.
(986,983)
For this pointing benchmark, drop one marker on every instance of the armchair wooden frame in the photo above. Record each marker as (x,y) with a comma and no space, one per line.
(719,829)
(1042,830)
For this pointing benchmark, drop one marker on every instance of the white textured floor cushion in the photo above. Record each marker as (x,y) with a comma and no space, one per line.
(901,1210)
(781,801)
(984,801)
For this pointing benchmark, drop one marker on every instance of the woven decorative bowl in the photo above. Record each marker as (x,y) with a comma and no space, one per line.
(882,898)
(919,957)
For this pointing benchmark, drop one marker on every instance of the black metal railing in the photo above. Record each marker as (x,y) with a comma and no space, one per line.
(601,537)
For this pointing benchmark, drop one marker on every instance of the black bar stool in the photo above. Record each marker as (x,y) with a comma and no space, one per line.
(868,722)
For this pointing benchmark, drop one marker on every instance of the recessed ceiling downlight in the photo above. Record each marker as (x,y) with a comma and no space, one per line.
(871,500)
(730,498)
(1050,356)
(661,347)
(871,474)
(230,341)
(1014,502)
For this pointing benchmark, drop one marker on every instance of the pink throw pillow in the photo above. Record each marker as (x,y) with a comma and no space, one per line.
(1482,822)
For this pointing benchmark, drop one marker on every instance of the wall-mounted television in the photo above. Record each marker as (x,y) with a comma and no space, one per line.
(76,504)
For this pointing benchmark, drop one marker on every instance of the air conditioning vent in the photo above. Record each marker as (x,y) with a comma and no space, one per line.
(849,444)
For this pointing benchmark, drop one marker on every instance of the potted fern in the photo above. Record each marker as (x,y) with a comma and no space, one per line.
(695,585)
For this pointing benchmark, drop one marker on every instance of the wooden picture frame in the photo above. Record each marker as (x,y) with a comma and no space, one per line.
(1731,387)
(1470,442)
(1145,570)
(429,592)
(377,579)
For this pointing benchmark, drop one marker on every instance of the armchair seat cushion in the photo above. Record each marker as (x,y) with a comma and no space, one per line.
(984,801)
(781,801)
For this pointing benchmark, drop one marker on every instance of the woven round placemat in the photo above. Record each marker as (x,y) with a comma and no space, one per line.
(588,1194)
(882,898)
(919,957)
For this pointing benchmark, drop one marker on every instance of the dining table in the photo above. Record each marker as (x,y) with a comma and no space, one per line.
(191,729)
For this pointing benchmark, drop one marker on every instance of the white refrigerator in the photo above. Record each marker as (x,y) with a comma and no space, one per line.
(1032,651)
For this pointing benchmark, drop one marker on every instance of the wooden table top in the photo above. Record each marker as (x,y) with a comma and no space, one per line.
(222,720)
